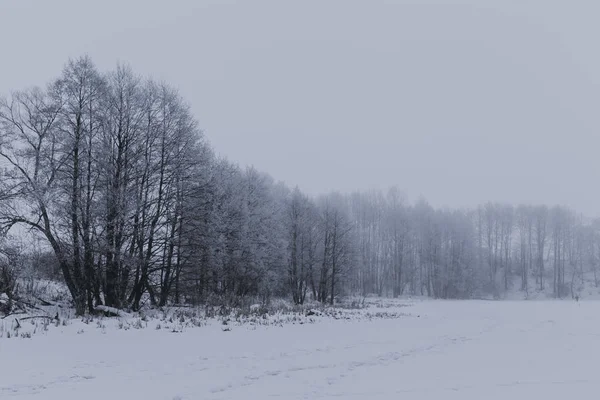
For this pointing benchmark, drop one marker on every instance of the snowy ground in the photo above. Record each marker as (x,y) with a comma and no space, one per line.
(440,350)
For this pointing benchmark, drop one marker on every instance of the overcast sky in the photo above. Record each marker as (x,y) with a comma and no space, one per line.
(458,101)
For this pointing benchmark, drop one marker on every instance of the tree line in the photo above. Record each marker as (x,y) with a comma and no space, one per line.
(112,172)
(482,252)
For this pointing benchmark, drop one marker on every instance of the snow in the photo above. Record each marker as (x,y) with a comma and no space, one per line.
(429,350)
(114,311)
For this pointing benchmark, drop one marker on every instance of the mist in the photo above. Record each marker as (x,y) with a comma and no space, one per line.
(309,199)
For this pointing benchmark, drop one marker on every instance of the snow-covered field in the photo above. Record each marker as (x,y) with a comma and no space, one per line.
(430,350)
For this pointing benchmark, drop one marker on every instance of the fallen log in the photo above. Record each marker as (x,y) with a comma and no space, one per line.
(115,312)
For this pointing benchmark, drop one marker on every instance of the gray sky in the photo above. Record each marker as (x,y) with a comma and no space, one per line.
(460,101)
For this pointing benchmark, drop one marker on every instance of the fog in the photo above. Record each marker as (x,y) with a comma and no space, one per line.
(458,101)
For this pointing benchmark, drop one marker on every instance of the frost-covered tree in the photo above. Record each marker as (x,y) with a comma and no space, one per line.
(112,173)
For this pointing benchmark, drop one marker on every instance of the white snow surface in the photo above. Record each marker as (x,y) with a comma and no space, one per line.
(437,350)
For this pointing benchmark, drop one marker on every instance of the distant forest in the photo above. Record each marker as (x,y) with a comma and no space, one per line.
(111,173)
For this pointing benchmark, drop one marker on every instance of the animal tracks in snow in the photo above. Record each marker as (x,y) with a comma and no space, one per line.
(23,389)
(333,373)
